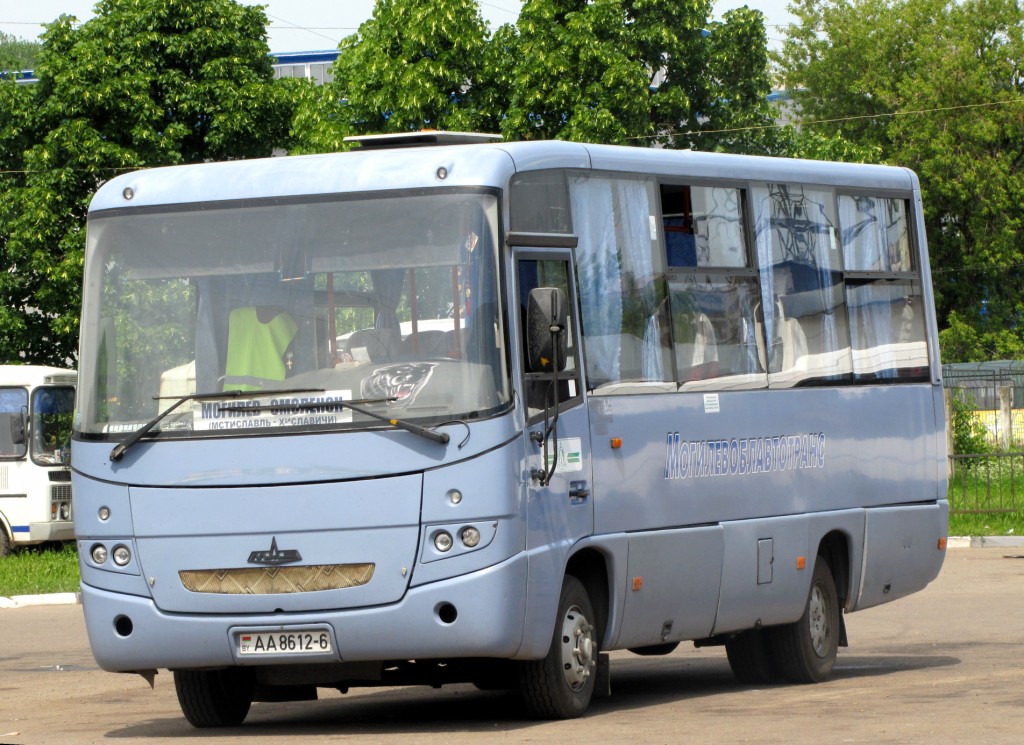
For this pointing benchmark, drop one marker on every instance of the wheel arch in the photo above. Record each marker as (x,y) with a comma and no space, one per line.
(834,547)
(6,531)
(590,567)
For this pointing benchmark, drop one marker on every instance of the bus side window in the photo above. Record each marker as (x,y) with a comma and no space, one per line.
(713,294)
(804,286)
(884,294)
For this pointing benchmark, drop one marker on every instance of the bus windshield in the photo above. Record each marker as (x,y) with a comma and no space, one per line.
(52,410)
(386,299)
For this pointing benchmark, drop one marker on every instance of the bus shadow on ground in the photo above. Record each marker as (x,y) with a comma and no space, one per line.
(420,711)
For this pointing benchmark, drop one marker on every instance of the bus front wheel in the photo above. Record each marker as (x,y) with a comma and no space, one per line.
(214,698)
(561,685)
(805,651)
(5,543)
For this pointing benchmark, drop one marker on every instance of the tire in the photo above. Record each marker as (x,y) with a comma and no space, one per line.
(214,698)
(561,685)
(5,543)
(750,657)
(805,651)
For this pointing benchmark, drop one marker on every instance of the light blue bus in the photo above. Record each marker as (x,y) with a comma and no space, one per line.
(445,409)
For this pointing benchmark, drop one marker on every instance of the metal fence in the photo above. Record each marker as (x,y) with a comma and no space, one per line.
(986,483)
(992,481)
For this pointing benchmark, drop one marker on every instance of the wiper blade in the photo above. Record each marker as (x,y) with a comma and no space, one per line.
(119,450)
(356,406)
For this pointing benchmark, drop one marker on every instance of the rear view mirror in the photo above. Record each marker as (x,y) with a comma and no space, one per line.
(546,339)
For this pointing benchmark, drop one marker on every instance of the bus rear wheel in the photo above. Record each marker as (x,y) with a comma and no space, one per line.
(5,543)
(561,685)
(214,698)
(805,651)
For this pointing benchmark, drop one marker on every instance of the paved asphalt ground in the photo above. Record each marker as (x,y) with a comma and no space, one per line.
(943,666)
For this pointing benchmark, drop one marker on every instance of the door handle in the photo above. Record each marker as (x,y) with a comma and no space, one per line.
(578,491)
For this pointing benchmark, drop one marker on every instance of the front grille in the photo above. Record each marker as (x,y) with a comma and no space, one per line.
(60,493)
(62,476)
(276,580)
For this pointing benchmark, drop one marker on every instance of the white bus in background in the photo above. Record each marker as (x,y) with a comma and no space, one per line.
(36,407)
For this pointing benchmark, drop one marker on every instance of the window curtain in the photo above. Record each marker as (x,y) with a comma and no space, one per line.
(620,290)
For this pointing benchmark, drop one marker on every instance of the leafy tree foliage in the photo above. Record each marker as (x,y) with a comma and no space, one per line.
(640,72)
(17,54)
(414,64)
(143,83)
(937,86)
(623,71)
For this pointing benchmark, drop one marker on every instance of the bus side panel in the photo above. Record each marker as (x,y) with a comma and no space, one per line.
(672,586)
(761,581)
(902,551)
(686,460)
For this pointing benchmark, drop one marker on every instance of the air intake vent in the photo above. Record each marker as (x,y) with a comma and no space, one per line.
(276,580)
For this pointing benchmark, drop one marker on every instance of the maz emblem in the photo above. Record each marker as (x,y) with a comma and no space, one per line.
(274,556)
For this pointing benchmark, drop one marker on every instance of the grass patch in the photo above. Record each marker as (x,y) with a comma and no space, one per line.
(40,569)
(996,523)
(986,495)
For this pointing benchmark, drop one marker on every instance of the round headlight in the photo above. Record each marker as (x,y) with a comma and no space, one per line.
(122,555)
(454,496)
(65,511)
(443,541)
(104,513)
(470,537)
(99,553)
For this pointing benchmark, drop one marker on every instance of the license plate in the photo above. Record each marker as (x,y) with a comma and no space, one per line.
(285,642)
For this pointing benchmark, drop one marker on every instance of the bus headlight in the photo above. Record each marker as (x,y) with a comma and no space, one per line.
(122,555)
(99,553)
(443,541)
(470,537)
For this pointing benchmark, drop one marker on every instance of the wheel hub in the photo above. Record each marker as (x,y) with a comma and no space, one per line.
(577,644)
(820,628)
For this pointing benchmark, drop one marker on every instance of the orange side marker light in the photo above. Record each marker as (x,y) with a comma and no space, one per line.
(616,443)
(942,544)
(638,582)
(801,563)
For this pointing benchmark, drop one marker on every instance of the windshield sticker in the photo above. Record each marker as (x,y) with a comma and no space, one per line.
(285,411)
(401,381)
(692,459)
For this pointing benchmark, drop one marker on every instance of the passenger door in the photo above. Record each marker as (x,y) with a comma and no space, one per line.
(561,508)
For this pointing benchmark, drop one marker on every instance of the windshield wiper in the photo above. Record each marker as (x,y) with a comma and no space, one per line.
(440,437)
(119,450)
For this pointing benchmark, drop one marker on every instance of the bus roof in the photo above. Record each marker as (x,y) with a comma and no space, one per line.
(33,375)
(484,165)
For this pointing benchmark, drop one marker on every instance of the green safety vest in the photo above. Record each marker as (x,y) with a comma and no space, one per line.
(256,350)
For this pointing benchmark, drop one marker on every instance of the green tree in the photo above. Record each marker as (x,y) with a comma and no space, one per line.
(937,86)
(641,72)
(414,64)
(17,54)
(143,83)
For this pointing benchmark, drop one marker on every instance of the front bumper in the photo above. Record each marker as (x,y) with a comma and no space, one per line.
(489,605)
(55,530)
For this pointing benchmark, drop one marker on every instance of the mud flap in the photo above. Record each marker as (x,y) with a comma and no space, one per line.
(603,680)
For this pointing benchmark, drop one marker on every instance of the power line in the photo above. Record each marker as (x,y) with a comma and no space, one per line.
(837,120)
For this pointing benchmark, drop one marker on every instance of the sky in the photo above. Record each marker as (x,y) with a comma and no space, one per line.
(309,25)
